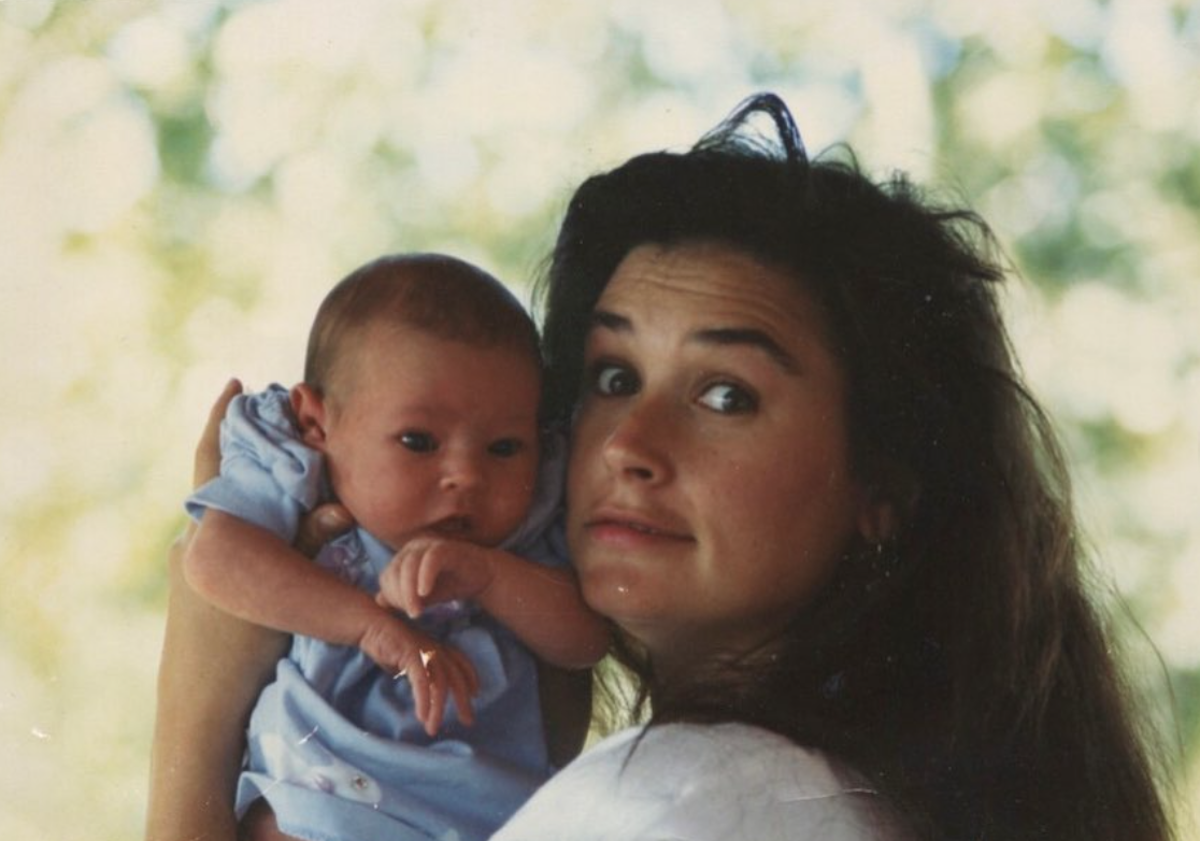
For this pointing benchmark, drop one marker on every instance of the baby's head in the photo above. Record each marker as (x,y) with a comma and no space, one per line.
(421,387)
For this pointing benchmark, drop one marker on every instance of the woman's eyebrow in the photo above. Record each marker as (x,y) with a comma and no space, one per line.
(746,336)
(751,337)
(610,321)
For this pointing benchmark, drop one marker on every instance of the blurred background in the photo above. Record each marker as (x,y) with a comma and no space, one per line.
(181,181)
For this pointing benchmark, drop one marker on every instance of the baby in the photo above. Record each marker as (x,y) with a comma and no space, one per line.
(407,706)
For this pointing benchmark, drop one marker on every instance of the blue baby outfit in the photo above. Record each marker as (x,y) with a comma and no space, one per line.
(334,745)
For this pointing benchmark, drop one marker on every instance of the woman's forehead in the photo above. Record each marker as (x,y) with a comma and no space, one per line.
(712,285)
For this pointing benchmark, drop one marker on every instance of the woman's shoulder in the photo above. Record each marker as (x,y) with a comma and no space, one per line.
(739,763)
(739,751)
(698,782)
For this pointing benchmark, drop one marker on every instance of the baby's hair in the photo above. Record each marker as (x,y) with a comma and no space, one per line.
(437,294)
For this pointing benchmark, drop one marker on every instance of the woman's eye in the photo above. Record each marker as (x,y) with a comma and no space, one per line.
(418,442)
(505,447)
(728,399)
(613,380)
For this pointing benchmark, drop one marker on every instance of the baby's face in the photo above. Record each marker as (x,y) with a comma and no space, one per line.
(434,436)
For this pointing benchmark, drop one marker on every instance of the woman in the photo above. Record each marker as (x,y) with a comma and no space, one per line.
(812,492)
(830,525)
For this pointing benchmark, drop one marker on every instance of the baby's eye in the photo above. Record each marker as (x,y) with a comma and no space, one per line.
(505,447)
(418,442)
(728,399)
(613,380)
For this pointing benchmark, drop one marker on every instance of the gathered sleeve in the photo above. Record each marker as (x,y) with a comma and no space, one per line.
(269,476)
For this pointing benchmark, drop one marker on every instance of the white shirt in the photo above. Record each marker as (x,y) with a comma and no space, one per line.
(693,782)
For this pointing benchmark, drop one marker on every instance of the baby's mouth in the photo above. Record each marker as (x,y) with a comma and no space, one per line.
(452,526)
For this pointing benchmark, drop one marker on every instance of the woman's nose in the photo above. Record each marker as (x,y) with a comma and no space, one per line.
(639,446)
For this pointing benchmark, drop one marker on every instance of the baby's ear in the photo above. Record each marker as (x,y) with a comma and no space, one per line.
(309,409)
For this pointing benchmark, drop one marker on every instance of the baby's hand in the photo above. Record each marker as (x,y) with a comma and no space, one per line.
(431,570)
(437,672)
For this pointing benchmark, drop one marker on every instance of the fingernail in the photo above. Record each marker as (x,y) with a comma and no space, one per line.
(331,519)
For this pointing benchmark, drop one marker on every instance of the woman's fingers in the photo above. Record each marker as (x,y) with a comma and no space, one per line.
(320,526)
(207,463)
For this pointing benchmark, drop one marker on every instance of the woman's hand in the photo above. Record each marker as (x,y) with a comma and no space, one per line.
(213,666)
(316,529)
(207,462)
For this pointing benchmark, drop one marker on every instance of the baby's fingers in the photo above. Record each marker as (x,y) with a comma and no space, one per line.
(438,677)
(389,586)
(430,568)
(391,582)
(463,683)
(402,576)
(414,603)
(418,679)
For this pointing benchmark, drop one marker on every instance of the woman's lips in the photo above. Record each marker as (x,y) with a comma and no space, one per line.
(629,530)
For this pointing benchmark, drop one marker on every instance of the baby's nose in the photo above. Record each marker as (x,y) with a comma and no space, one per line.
(460,473)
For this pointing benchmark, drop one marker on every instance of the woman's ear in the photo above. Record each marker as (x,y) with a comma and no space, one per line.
(877,520)
(888,502)
(310,412)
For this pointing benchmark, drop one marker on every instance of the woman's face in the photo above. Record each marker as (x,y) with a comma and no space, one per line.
(710,490)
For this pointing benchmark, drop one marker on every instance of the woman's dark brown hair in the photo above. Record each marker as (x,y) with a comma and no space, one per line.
(961,664)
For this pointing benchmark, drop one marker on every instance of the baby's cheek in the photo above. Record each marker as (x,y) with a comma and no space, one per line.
(513,508)
(513,514)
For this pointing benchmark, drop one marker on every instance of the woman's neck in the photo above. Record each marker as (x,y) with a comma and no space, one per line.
(689,658)
(707,682)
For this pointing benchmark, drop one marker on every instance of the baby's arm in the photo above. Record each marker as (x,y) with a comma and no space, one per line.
(539,604)
(257,576)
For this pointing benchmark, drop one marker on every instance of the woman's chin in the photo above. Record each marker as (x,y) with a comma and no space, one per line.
(615,593)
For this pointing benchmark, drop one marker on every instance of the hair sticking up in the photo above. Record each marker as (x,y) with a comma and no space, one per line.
(737,129)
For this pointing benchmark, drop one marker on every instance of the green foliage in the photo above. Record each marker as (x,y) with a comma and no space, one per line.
(181,182)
